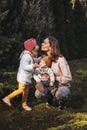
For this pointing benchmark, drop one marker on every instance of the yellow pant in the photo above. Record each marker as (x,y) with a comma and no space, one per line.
(22,89)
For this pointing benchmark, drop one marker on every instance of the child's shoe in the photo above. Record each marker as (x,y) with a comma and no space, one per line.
(26,108)
(48,105)
(6,100)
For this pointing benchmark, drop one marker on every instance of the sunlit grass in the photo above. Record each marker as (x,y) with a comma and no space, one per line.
(41,118)
(75,121)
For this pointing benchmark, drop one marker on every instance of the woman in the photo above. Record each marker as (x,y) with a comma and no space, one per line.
(61,70)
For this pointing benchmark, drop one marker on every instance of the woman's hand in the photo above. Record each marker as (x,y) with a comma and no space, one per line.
(53,91)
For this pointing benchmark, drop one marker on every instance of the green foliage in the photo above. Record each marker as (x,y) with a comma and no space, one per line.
(76,121)
(39,21)
(22,19)
(8,82)
(10,49)
(3,15)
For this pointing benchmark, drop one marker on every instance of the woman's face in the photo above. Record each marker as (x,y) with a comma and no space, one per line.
(45,45)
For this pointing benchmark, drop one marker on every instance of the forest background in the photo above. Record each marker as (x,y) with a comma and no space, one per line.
(23,19)
(67,21)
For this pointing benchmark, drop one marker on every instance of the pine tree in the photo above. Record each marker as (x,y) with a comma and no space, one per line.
(80,20)
(12,21)
(62,14)
(39,21)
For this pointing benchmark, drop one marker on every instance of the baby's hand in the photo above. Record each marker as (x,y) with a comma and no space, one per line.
(36,78)
(36,65)
(51,84)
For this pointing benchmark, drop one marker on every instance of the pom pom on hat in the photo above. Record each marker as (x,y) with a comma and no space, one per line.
(30,44)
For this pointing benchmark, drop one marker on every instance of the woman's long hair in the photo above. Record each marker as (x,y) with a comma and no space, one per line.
(55,52)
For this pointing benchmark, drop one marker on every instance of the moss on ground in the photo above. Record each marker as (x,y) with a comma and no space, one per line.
(42,118)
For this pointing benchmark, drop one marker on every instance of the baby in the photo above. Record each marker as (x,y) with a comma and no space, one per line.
(45,78)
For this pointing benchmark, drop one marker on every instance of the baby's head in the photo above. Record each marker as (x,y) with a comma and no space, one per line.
(31,46)
(45,62)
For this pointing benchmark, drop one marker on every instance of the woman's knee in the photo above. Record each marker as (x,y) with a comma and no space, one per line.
(39,87)
(38,94)
(62,92)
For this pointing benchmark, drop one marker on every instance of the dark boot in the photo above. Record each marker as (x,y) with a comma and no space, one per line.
(49,96)
(54,102)
(62,103)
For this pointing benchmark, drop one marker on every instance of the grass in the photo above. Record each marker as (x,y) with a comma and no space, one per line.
(42,118)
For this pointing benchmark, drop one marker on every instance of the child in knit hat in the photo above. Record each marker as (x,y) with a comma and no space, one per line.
(45,78)
(25,73)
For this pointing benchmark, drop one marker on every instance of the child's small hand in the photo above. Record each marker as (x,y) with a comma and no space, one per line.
(36,65)
(36,78)
(51,84)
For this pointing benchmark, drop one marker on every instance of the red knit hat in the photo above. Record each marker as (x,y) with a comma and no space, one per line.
(30,44)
